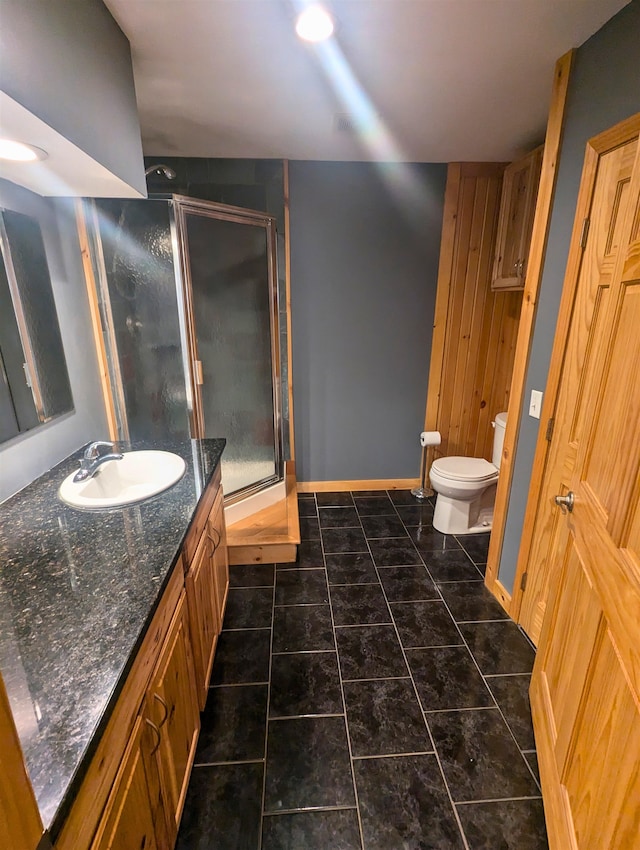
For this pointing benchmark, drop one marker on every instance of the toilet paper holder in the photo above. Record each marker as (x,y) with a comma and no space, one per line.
(428,439)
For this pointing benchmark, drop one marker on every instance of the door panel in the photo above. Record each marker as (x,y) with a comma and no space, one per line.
(585,688)
(173,687)
(584,343)
(565,668)
(611,468)
(603,766)
(128,820)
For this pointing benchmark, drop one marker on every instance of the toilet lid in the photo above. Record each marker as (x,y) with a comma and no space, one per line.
(465,468)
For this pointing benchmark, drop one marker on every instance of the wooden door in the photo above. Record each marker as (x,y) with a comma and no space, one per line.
(128,822)
(172,705)
(611,164)
(585,689)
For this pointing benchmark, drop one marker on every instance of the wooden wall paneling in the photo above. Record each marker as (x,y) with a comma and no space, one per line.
(500,380)
(477,300)
(534,269)
(441,311)
(453,352)
(488,363)
(20,824)
(474,329)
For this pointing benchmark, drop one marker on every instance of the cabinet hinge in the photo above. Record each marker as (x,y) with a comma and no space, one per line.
(549,435)
(523,582)
(585,233)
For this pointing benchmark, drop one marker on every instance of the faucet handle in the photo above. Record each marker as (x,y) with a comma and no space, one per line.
(93,451)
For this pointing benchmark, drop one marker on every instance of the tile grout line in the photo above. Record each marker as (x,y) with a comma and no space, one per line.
(310,809)
(266,729)
(344,702)
(433,743)
(486,684)
(497,800)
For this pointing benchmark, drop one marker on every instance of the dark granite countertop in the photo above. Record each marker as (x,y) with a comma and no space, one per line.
(77,592)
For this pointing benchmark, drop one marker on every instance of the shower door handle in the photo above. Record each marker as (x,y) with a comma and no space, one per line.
(197,369)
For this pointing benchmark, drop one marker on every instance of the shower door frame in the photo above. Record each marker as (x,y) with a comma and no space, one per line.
(180,207)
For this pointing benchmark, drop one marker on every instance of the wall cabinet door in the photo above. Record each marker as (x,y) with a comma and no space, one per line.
(172,706)
(130,817)
(515,223)
(203,614)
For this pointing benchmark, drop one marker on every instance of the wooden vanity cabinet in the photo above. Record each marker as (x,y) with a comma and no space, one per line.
(134,791)
(515,221)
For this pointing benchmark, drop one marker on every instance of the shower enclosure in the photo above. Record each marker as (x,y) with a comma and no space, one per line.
(187,293)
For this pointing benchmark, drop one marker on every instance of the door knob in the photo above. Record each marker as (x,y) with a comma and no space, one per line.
(565,502)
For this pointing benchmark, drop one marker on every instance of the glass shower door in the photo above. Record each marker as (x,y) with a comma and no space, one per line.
(229,275)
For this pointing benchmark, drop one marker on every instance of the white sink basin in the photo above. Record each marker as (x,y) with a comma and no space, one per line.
(138,476)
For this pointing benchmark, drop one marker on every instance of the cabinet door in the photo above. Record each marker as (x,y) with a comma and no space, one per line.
(203,614)
(128,822)
(218,534)
(515,223)
(172,706)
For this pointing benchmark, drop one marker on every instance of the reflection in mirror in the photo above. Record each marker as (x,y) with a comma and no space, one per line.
(34,382)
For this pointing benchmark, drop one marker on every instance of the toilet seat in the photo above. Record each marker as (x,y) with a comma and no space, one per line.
(465,469)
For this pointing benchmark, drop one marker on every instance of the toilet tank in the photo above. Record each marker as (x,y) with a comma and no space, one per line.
(498,438)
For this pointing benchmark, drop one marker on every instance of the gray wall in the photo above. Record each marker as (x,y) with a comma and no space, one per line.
(604,89)
(365,242)
(29,455)
(68,62)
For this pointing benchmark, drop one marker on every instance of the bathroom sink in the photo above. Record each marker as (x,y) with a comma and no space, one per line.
(138,476)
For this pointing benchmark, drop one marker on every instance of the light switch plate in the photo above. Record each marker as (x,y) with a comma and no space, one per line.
(535,405)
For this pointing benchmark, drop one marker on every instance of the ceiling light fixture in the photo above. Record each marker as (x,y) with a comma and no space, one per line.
(20,151)
(314,24)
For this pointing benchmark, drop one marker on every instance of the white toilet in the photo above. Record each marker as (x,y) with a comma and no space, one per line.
(466,488)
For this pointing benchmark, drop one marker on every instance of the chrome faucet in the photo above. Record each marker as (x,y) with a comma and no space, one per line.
(92,460)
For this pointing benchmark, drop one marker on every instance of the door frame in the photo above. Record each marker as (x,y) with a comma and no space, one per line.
(620,133)
(181,206)
(534,269)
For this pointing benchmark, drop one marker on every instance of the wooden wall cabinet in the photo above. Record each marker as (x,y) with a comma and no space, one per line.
(515,223)
(135,788)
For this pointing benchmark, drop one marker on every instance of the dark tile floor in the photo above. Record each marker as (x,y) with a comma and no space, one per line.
(372,696)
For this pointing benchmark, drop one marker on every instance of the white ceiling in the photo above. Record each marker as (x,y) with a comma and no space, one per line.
(423,80)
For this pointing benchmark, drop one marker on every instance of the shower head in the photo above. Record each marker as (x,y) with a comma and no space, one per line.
(161,168)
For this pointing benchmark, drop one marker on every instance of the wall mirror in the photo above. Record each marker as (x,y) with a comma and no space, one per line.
(34,382)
